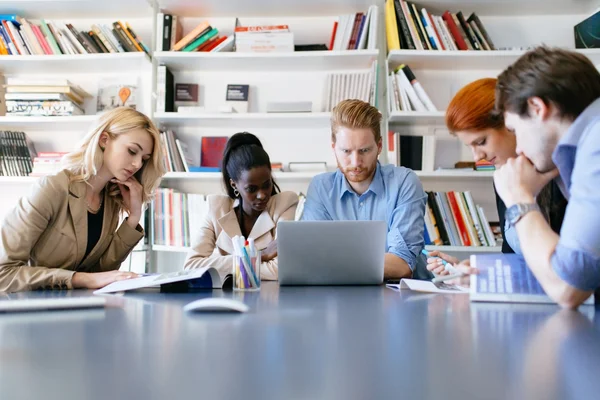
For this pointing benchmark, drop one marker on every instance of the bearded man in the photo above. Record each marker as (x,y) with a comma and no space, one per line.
(362,189)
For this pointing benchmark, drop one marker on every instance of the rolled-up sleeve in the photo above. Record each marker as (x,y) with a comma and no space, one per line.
(576,258)
(406,226)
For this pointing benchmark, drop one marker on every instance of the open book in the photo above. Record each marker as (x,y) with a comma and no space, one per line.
(179,281)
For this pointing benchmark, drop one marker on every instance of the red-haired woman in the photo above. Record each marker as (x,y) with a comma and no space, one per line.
(470,117)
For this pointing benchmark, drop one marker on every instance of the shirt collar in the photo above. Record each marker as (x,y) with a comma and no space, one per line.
(573,134)
(376,185)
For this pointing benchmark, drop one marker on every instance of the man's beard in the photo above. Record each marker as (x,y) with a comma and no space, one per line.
(357,175)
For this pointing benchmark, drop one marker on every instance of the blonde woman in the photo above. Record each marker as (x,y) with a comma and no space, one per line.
(64,234)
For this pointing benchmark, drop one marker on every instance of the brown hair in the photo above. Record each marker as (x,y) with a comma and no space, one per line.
(356,114)
(471,109)
(564,78)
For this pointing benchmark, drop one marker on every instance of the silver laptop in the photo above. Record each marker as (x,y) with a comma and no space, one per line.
(331,252)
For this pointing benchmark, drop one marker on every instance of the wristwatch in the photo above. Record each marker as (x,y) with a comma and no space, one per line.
(515,212)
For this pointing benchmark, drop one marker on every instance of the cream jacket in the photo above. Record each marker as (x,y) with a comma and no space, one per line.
(213,245)
(43,239)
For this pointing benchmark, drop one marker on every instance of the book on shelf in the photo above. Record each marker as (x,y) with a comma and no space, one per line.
(264,39)
(351,85)
(17,152)
(405,93)
(454,219)
(43,97)
(237,97)
(177,157)
(47,163)
(587,32)
(177,217)
(21,36)
(165,89)
(484,165)
(186,95)
(410,27)
(117,92)
(357,31)
(211,150)
(415,152)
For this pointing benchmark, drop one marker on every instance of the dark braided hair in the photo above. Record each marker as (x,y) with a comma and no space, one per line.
(243,152)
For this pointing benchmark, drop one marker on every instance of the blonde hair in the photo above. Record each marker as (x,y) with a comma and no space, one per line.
(86,161)
(355,114)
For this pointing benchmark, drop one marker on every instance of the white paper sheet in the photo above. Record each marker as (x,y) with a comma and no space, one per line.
(428,286)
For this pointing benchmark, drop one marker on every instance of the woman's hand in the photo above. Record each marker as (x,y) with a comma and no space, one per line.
(97,280)
(434,262)
(270,252)
(131,190)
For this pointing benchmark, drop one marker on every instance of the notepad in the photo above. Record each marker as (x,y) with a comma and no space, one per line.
(428,286)
(506,278)
(44,304)
(178,281)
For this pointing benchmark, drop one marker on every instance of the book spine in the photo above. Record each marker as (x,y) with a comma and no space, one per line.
(460,223)
(473,17)
(468,31)
(403,26)
(460,42)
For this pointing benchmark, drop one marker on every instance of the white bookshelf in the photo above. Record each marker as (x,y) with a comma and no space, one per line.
(216,176)
(417,118)
(65,64)
(242,120)
(465,60)
(296,61)
(32,123)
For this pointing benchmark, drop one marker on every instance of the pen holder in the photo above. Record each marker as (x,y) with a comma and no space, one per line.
(246,272)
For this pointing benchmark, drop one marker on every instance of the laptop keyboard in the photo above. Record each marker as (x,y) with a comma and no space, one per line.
(507,280)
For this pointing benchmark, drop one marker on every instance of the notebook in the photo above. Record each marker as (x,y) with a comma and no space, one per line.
(178,281)
(506,278)
(45,304)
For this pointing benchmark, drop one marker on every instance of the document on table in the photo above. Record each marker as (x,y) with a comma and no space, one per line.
(428,286)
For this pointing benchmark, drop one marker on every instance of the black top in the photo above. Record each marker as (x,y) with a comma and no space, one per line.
(554,211)
(94,229)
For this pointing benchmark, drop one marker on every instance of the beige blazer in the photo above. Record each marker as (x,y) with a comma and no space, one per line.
(213,245)
(43,240)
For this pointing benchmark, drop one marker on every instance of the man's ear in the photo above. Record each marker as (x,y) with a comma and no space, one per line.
(379,146)
(537,108)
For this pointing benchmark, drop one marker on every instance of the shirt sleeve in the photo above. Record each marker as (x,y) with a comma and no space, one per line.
(511,238)
(576,258)
(406,226)
(314,208)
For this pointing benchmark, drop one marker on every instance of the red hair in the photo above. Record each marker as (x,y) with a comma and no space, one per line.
(472,108)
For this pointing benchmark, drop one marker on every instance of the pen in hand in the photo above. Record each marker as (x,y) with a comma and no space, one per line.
(454,273)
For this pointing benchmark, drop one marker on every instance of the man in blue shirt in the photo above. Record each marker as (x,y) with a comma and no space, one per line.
(362,189)
(551,100)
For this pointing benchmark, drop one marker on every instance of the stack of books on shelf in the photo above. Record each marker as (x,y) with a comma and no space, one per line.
(177,217)
(351,85)
(453,219)
(43,97)
(405,93)
(407,27)
(264,39)
(355,31)
(202,38)
(484,165)
(47,163)
(19,36)
(16,154)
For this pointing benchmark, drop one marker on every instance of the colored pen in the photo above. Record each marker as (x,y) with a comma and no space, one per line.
(447,266)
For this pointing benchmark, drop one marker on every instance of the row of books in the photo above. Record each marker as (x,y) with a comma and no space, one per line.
(408,28)
(484,165)
(453,218)
(177,217)
(355,31)
(405,93)
(178,157)
(202,38)
(351,85)
(16,154)
(19,36)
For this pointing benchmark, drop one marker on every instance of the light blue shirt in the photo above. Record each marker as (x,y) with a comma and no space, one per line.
(395,196)
(576,259)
